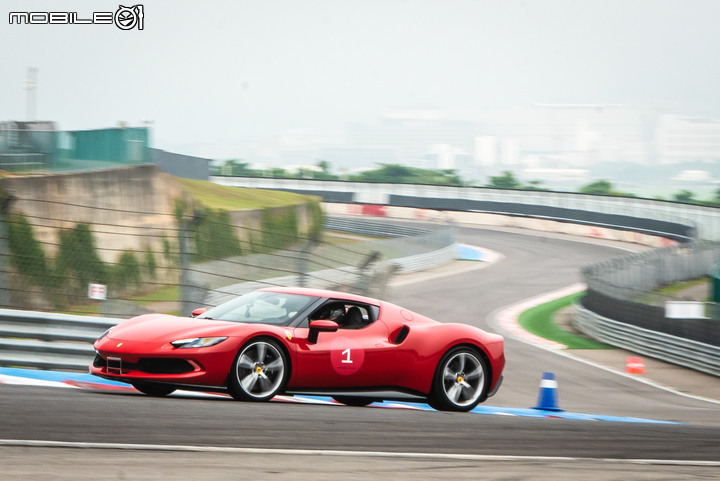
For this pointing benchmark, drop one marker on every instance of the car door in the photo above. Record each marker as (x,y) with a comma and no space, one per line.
(352,356)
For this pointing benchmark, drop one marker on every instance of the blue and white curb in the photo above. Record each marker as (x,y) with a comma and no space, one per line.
(465,252)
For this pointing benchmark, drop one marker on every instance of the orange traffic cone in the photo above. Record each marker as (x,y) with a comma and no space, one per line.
(634,365)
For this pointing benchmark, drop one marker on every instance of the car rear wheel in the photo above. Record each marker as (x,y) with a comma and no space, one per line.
(260,371)
(154,389)
(460,381)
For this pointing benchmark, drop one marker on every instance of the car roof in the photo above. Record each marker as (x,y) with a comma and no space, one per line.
(323,293)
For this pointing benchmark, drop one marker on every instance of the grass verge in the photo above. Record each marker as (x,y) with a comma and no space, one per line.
(232,198)
(539,320)
(679,287)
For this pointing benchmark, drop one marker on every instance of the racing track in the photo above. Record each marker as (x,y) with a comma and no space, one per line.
(497,446)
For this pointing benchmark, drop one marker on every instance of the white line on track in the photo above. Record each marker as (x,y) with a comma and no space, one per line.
(330,452)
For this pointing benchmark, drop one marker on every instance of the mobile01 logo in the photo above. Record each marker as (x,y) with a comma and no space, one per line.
(124,18)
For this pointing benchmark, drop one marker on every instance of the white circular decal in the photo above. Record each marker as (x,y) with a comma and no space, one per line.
(346,355)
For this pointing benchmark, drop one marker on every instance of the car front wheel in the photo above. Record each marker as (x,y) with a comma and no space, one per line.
(260,371)
(460,381)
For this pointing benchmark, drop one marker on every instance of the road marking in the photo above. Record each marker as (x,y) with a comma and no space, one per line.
(332,452)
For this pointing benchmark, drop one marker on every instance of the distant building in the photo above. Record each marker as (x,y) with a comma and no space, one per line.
(39,145)
(411,134)
(687,139)
(26,144)
(553,141)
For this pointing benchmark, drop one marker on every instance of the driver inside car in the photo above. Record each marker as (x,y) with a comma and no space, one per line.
(331,312)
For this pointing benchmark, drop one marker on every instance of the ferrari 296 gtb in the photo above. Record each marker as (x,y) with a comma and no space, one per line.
(300,341)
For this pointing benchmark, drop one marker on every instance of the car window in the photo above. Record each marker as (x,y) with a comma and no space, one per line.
(261,307)
(348,315)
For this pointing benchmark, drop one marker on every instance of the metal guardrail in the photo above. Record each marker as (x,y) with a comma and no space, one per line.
(368,227)
(49,341)
(677,350)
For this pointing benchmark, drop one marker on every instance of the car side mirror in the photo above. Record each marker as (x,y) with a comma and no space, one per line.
(321,325)
(198,311)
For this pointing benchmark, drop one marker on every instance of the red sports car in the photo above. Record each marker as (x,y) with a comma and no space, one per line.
(302,341)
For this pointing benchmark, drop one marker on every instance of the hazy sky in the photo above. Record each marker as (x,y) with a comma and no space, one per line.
(223,73)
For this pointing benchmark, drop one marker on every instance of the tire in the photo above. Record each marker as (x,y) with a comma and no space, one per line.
(357,401)
(260,371)
(154,389)
(461,380)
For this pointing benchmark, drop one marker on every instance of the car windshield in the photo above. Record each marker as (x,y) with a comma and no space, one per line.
(261,307)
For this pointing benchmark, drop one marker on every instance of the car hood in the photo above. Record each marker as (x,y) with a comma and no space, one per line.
(165,328)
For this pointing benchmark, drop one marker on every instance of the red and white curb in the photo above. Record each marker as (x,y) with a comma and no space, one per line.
(507,319)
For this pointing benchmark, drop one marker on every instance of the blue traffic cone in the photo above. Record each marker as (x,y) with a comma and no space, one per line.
(548,397)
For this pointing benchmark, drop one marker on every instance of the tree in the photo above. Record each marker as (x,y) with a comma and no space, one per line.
(324,173)
(77,262)
(238,168)
(278,173)
(600,187)
(505,181)
(324,165)
(685,196)
(535,185)
(388,173)
(126,271)
(408,175)
(26,252)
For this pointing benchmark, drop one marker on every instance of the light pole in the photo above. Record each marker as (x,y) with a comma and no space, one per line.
(30,84)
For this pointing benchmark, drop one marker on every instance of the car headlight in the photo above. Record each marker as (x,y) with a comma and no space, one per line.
(197,342)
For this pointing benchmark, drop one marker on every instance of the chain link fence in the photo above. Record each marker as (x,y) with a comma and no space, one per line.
(637,277)
(174,262)
(627,290)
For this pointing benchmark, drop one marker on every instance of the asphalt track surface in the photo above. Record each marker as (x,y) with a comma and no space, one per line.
(137,437)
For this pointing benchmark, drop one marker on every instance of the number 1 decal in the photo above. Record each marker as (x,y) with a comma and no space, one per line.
(347,355)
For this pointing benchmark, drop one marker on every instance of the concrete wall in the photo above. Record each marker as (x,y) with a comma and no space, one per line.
(127,208)
(249,222)
(122,203)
